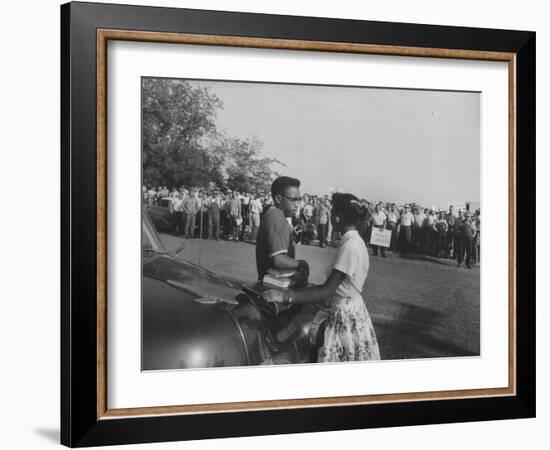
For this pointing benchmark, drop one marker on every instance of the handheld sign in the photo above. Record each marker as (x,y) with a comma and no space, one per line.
(380,237)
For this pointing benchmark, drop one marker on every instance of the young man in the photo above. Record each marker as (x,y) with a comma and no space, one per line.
(275,246)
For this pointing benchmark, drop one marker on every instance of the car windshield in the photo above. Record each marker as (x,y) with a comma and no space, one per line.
(150,239)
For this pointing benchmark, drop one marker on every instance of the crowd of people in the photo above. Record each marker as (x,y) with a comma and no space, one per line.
(233,215)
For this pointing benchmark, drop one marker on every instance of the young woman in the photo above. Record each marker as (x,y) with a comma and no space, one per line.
(349,334)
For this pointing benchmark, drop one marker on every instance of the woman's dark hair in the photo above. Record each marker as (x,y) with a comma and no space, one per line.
(348,207)
(281,184)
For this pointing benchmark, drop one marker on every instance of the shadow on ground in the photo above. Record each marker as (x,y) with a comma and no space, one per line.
(416,332)
(432,259)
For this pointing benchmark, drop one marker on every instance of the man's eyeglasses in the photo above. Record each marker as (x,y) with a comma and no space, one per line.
(292,199)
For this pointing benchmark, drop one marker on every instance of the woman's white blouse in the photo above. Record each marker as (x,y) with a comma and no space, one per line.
(351,259)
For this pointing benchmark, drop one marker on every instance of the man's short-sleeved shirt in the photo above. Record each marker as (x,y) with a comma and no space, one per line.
(419,219)
(274,238)
(323,215)
(451,219)
(177,204)
(191,204)
(308,210)
(406,219)
(430,220)
(235,207)
(378,218)
(393,216)
(256,206)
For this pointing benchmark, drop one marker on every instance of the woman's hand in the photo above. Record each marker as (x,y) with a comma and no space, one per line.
(275,296)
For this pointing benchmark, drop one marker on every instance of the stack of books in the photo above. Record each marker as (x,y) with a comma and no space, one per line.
(280,278)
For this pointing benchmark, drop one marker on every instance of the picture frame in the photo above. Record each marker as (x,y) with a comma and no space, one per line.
(86,418)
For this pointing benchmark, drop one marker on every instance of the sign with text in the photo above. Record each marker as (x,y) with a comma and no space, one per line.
(458,206)
(380,237)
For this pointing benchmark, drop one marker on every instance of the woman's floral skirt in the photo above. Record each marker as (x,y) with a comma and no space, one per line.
(349,334)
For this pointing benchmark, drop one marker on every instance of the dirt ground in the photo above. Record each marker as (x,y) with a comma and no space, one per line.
(420,307)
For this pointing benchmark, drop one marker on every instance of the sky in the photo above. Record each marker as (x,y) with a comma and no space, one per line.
(380,144)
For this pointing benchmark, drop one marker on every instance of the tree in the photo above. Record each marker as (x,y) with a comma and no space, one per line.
(176,119)
(247,171)
(181,144)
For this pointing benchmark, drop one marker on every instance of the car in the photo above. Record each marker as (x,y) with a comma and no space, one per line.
(161,214)
(194,318)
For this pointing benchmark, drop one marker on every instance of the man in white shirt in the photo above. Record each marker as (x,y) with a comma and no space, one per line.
(152,196)
(256,209)
(379,221)
(308,211)
(176,209)
(163,192)
(391,224)
(144,194)
(418,223)
(406,221)
(235,214)
(190,207)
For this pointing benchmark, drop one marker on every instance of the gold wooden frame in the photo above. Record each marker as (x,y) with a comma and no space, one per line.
(103,36)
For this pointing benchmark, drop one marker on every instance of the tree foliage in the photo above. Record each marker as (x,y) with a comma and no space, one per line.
(176,117)
(181,145)
(248,171)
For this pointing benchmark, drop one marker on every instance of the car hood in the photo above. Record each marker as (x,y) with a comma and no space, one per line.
(207,286)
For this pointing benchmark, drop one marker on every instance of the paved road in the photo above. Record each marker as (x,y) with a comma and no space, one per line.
(420,308)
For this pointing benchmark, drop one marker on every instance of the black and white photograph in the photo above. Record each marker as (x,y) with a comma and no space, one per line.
(261,225)
(300,223)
